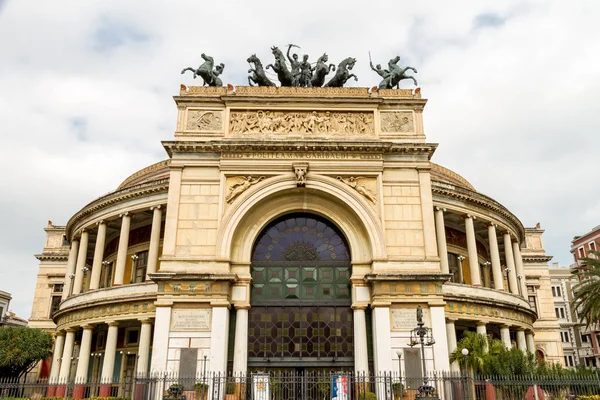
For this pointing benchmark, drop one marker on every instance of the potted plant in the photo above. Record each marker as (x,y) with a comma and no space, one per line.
(397,390)
(175,391)
(201,390)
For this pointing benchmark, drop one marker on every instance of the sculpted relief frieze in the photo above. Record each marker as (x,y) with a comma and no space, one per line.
(367,187)
(397,122)
(202,120)
(305,123)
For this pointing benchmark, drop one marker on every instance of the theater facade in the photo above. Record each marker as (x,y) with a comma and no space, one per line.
(290,229)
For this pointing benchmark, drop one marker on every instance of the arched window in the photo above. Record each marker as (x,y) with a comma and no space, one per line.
(300,294)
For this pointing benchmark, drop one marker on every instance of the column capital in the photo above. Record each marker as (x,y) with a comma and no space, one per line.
(467,216)
(482,322)
(359,307)
(147,320)
(112,323)
(60,333)
(101,222)
(87,326)
(158,207)
(488,224)
(451,320)
(125,214)
(82,231)
(438,208)
(72,329)
(505,326)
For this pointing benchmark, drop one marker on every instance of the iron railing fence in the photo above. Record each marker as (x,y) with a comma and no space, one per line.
(293,385)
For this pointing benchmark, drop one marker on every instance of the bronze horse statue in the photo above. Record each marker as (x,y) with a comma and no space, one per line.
(258,73)
(206,72)
(321,69)
(280,67)
(396,74)
(343,73)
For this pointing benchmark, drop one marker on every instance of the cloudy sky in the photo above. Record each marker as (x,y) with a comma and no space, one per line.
(86,87)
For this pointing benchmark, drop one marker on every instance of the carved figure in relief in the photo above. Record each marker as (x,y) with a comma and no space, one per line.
(280,67)
(357,184)
(342,74)
(396,74)
(396,122)
(300,170)
(205,121)
(206,71)
(321,69)
(258,76)
(239,188)
(314,122)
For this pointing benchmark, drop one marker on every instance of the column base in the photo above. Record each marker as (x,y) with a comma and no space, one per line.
(105,390)
(79,392)
(60,391)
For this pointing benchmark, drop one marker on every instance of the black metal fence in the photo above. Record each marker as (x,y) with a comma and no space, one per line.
(285,385)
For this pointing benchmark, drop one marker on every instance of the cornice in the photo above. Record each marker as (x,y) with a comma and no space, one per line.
(130,193)
(238,146)
(164,164)
(52,257)
(408,277)
(473,197)
(536,259)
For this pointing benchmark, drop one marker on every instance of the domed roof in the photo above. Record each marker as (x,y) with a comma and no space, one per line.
(441,174)
(154,172)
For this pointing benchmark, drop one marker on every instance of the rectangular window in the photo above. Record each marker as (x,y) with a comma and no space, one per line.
(140,267)
(1,312)
(532,303)
(592,246)
(569,361)
(101,340)
(132,337)
(556,291)
(55,304)
(564,336)
(581,252)
(560,312)
(530,289)
(585,338)
(57,288)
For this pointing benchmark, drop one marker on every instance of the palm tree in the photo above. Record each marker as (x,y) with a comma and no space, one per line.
(474,361)
(587,291)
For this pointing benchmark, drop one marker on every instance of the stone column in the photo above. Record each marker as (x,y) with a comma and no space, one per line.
(154,241)
(505,336)
(472,249)
(486,275)
(161,338)
(520,269)
(98,256)
(122,249)
(438,330)
(59,343)
(495,258)
(65,363)
(382,351)
(482,330)
(240,351)
(108,365)
(510,264)
(521,341)
(83,363)
(361,361)
(218,339)
(81,256)
(530,342)
(440,232)
(452,344)
(72,261)
(144,347)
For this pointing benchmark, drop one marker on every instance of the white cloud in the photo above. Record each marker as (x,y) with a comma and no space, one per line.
(85,96)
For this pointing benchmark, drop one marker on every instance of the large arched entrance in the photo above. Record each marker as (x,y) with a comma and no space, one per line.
(300,315)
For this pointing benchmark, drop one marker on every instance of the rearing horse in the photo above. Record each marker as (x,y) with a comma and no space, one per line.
(283,73)
(343,73)
(396,75)
(258,73)
(205,71)
(321,69)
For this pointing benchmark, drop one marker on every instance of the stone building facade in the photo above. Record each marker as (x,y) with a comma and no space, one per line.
(292,228)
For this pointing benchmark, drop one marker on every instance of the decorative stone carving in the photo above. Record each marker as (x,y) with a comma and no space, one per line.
(244,183)
(397,121)
(300,251)
(201,120)
(279,123)
(300,170)
(360,184)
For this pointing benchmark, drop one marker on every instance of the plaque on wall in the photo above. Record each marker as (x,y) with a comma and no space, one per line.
(190,319)
(406,318)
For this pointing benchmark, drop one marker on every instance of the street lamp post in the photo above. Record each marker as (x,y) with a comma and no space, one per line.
(423,336)
(465,353)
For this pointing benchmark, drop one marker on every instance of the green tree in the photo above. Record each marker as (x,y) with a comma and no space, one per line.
(587,291)
(477,345)
(21,348)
